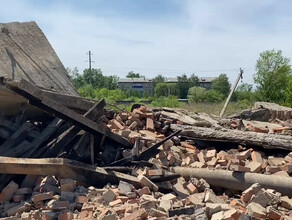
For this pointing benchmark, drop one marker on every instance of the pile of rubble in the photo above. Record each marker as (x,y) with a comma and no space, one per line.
(49,198)
(94,163)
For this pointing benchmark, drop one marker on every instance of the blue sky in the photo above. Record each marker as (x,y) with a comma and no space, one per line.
(168,37)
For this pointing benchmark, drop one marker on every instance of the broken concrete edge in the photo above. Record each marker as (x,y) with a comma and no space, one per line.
(64,168)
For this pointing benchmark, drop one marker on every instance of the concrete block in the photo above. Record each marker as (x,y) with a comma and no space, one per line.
(125,187)
(109,195)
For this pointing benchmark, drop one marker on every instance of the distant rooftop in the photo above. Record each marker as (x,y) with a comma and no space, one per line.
(136,80)
(169,80)
(201,79)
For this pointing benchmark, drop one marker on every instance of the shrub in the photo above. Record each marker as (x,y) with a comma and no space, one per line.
(170,102)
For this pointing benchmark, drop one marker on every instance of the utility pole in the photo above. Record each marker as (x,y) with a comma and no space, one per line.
(231,92)
(89,60)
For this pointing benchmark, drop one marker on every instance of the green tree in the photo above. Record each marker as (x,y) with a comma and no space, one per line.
(94,77)
(194,80)
(111,82)
(76,78)
(213,96)
(272,75)
(221,85)
(244,87)
(288,93)
(131,74)
(158,79)
(197,94)
(166,89)
(244,92)
(183,84)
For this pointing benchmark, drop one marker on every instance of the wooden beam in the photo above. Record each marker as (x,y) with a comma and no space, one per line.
(43,137)
(75,103)
(38,99)
(18,136)
(64,168)
(248,138)
(67,136)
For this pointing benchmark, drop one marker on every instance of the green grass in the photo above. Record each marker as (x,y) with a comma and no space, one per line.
(215,108)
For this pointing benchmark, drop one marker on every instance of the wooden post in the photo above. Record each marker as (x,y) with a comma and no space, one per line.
(231,92)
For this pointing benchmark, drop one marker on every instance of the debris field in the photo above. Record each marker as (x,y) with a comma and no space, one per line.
(65,157)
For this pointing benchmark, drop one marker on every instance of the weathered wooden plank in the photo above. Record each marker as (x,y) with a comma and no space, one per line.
(43,137)
(67,136)
(75,103)
(64,168)
(4,133)
(35,97)
(80,146)
(19,135)
(248,138)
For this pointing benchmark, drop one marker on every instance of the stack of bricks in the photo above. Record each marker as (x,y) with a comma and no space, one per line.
(48,198)
(150,126)
(242,160)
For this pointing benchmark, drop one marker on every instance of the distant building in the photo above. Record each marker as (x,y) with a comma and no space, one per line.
(205,82)
(142,85)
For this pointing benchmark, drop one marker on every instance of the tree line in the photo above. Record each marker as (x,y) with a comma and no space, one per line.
(273,80)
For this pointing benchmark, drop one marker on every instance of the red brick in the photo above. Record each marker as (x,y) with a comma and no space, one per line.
(117,125)
(139,214)
(18,198)
(133,125)
(116,202)
(140,113)
(210,154)
(146,182)
(42,196)
(66,216)
(239,168)
(67,185)
(103,212)
(256,157)
(244,154)
(22,207)
(191,188)
(81,199)
(8,191)
(201,157)
(145,190)
(85,215)
(274,214)
(150,124)
(255,167)
(157,172)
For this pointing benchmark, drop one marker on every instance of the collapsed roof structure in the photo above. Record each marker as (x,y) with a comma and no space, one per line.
(82,161)
(27,54)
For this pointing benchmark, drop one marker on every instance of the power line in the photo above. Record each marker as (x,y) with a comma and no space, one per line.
(168,70)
